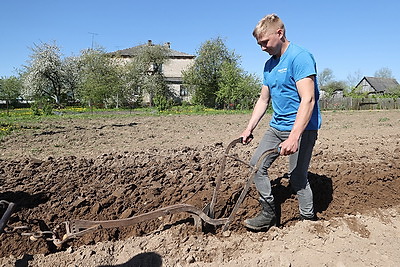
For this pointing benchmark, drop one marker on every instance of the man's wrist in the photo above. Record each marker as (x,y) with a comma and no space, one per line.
(294,135)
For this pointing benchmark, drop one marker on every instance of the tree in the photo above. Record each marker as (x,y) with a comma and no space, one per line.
(250,85)
(333,86)
(10,89)
(387,73)
(384,73)
(236,89)
(147,63)
(354,78)
(72,67)
(325,77)
(109,81)
(394,92)
(132,81)
(203,76)
(100,79)
(46,74)
(142,75)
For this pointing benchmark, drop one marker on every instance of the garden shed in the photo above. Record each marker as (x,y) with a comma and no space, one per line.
(376,85)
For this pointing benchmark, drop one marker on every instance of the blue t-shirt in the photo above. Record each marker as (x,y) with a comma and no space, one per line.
(281,75)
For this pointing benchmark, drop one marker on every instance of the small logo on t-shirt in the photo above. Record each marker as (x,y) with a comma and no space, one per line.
(282,70)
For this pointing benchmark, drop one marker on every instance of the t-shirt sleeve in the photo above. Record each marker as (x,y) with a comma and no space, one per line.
(303,66)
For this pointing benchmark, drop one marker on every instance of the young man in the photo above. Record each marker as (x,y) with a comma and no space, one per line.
(290,82)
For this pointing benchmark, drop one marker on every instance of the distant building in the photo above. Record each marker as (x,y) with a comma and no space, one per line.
(338,93)
(376,85)
(172,69)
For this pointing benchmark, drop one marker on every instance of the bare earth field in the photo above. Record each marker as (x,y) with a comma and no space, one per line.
(122,166)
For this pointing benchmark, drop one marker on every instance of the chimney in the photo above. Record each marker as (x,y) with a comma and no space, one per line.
(167,44)
(149,43)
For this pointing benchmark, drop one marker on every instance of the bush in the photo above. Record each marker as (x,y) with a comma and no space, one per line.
(162,103)
(36,109)
(42,105)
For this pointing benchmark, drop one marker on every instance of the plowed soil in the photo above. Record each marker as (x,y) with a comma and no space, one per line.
(123,165)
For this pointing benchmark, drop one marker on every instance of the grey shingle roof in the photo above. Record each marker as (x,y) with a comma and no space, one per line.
(380,84)
(131,52)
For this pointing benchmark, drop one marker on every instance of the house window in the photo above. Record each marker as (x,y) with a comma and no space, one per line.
(183,91)
(155,68)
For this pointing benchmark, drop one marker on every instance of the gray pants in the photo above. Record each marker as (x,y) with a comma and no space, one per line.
(298,167)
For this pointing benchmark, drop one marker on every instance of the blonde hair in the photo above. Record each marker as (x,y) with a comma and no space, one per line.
(268,23)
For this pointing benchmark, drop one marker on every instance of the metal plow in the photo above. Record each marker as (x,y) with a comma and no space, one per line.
(202,217)
(10,207)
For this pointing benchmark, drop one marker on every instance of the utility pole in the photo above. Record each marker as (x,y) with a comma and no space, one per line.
(93,34)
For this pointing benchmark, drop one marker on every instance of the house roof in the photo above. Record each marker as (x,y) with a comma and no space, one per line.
(380,84)
(131,52)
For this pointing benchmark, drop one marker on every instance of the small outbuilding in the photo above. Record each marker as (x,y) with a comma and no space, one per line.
(376,85)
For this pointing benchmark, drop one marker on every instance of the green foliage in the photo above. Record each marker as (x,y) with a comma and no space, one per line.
(47,109)
(250,89)
(132,80)
(237,90)
(355,94)
(150,58)
(216,80)
(393,92)
(142,75)
(147,65)
(100,84)
(95,79)
(325,77)
(42,106)
(203,76)
(162,103)
(333,86)
(36,109)
(6,128)
(10,89)
(156,87)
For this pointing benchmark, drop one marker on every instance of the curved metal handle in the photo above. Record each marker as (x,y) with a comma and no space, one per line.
(210,208)
(6,216)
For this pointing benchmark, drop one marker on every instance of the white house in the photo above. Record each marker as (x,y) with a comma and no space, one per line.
(172,69)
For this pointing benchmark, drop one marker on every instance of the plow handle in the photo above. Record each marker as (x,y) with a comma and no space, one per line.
(7,214)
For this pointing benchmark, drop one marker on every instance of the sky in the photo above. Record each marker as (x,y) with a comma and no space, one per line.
(352,38)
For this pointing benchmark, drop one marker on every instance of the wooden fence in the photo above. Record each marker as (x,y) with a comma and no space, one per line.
(349,103)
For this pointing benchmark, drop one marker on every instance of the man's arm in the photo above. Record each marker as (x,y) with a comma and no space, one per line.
(305,88)
(258,112)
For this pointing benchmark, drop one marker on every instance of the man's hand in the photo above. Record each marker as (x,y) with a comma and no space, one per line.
(289,146)
(246,137)
(305,88)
